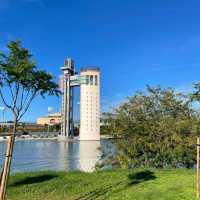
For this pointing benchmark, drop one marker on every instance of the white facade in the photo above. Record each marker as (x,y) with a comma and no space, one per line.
(90,105)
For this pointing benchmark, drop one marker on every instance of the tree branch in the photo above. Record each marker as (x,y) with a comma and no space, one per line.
(11,91)
(22,98)
(3,100)
(23,102)
(7,80)
(16,95)
(27,105)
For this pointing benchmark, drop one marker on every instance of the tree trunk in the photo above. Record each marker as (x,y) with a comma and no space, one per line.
(7,163)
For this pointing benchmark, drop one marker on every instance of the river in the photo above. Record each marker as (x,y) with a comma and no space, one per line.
(36,155)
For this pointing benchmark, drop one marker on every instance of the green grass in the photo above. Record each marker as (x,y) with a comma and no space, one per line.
(140,184)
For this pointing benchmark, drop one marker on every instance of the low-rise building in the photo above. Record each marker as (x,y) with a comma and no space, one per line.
(51,119)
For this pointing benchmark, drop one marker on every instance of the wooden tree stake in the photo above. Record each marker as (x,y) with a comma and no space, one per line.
(197,175)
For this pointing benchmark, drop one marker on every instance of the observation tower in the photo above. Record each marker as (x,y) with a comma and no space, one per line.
(89,82)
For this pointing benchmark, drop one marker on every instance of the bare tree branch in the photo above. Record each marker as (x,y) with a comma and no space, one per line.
(27,105)
(16,95)
(11,91)
(3,100)
(9,85)
(22,98)
(25,99)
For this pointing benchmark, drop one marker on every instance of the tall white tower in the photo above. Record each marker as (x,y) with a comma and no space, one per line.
(90,104)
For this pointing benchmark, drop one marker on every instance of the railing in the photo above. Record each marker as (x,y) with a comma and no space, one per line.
(95,68)
(31,134)
(10,134)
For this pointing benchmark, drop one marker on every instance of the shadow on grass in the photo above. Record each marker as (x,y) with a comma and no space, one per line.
(140,177)
(98,192)
(32,180)
(117,187)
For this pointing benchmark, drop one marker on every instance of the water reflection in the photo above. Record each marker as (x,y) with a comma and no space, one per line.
(34,155)
(89,155)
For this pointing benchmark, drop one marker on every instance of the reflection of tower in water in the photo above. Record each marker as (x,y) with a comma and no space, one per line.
(79,155)
(62,161)
(89,155)
(69,155)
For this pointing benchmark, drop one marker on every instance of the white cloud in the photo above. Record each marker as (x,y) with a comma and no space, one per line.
(108,103)
(3,49)
(185,88)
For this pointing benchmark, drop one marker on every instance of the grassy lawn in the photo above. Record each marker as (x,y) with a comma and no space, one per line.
(143,184)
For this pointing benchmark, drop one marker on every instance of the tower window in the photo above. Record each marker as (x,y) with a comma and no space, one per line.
(91,80)
(87,79)
(96,80)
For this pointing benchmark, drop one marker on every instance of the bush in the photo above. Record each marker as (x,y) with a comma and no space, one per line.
(158,128)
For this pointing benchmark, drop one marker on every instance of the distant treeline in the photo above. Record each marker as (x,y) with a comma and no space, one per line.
(27,128)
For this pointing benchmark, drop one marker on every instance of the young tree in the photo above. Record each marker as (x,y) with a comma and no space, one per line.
(20,83)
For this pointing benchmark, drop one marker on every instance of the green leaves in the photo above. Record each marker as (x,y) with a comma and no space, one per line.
(17,64)
(20,76)
(158,128)
(195,96)
(43,82)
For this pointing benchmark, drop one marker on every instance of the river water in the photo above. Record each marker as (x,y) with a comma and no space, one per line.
(36,155)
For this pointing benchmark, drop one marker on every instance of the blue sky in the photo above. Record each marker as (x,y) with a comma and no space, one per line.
(135,42)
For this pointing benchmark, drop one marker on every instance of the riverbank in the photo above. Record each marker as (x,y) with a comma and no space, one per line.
(143,184)
(27,137)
